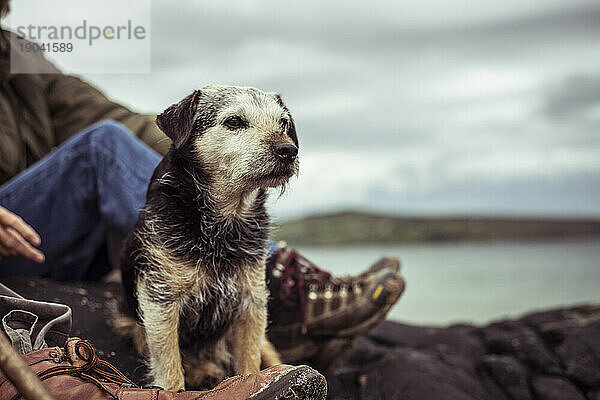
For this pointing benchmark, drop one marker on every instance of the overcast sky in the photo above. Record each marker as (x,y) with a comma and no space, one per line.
(419,107)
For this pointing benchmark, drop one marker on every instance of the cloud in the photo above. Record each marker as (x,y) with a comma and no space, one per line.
(561,183)
(575,96)
(431,106)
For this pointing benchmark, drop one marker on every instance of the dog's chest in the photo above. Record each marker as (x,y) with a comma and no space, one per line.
(209,311)
(205,236)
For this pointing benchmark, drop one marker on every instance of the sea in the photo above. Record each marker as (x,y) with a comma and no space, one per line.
(478,282)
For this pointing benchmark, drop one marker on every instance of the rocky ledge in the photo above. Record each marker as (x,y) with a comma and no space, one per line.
(550,355)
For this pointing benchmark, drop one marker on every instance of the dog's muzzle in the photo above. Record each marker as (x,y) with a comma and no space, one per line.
(285,152)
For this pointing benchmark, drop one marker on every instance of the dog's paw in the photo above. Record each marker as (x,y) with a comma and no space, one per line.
(173,382)
(202,373)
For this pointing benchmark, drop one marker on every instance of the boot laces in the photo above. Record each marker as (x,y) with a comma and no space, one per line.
(94,369)
(296,274)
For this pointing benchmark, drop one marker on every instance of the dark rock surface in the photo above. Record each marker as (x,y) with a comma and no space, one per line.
(547,355)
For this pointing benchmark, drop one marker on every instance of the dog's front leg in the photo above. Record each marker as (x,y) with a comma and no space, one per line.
(249,336)
(269,355)
(161,322)
(251,322)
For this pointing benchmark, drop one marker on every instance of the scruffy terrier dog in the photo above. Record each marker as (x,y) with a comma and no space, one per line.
(194,265)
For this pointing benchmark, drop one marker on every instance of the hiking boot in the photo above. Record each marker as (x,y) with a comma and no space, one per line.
(280,382)
(76,372)
(391,263)
(311,311)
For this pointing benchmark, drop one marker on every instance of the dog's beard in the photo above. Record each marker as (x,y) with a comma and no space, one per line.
(274,174)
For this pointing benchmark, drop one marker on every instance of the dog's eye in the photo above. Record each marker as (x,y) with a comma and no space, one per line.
(235,123)
(283,122)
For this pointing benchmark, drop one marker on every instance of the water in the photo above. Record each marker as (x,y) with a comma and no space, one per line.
(478,282)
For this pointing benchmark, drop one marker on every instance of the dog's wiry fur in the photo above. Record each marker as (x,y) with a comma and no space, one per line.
(194,265)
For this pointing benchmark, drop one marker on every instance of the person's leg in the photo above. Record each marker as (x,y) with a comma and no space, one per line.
(95,181)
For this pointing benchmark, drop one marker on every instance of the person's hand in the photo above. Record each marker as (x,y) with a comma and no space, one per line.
(18,238)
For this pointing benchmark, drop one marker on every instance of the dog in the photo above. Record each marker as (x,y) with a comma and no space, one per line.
(194,265)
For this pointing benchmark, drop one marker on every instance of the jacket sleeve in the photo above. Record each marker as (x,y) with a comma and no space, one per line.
(75,105)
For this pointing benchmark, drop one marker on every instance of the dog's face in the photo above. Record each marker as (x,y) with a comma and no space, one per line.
(244,137)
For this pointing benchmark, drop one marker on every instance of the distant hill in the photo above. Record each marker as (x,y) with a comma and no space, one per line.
(356,227)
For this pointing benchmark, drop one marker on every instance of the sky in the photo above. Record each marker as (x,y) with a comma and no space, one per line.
(409,107)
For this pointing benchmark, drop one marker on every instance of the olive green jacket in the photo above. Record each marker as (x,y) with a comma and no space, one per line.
(40,111)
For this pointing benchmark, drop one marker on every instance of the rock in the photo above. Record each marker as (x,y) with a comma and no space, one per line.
(574,336)
(509,374)
(555,388)
(518,340)
(406,373)
(545,355)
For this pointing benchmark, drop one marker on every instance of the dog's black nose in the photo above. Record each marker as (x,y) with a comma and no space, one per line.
(286,152)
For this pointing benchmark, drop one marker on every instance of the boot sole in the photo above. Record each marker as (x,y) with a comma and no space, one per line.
(375,318)
(303,383)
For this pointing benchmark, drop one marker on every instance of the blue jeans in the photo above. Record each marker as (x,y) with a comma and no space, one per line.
(95,181)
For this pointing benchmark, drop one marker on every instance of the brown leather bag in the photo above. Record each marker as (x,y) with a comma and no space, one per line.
(76,372)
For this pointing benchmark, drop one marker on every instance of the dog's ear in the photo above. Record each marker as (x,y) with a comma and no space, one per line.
(292,128)
(177,120)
